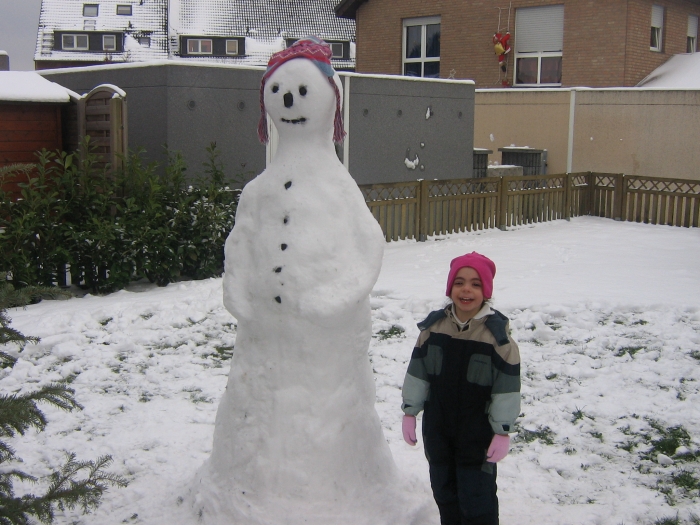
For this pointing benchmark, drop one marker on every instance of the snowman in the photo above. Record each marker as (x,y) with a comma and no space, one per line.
(297,439)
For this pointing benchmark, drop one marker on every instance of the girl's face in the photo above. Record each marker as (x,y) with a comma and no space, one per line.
(467,294)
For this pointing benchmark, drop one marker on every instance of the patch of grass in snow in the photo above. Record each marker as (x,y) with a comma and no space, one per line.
(394,331)
(663,440)
(669,520)
(146,316)
(196,395)
(631,350)
(579,414)
(695,354)
(597,435)
(106,321)
(553,326)
(543,433)
(685,480)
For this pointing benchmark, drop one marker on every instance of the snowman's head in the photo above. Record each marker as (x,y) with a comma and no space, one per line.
(300,91)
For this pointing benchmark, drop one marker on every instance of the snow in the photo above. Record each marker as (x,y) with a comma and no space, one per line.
(678,72)
(27,86)
(607,316)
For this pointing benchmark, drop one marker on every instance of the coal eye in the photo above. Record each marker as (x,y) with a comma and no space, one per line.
(302,91)
(275,88)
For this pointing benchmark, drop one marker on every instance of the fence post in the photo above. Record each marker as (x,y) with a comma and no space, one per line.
(567,197)
(591,193)
(617,203)
(423,210)
(502,203)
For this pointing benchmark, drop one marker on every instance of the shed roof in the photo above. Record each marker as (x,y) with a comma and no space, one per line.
(28,86)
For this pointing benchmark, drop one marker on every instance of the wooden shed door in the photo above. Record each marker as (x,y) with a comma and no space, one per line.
(104,120)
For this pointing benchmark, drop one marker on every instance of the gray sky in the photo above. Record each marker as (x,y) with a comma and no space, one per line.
(19,21)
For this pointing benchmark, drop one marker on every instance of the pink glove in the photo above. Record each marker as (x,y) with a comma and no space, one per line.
(498,449)
(408,427)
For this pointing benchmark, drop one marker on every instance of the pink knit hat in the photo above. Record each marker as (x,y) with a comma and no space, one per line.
(483,266)
(320,53)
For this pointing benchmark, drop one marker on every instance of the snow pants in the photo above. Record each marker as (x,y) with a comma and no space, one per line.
(465,492)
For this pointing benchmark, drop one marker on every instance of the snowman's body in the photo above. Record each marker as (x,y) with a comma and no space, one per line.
(297,439)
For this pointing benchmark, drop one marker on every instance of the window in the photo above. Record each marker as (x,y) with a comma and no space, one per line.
(421,47)
(90,9)
(124,10)
(539,42)
(692,42)
(657,24)
(74,42)
(89,25)
(144,41)
(198,46)
(109,43)
(232,47)
(337,49)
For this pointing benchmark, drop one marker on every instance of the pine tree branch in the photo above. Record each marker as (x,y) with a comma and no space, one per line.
(18,412)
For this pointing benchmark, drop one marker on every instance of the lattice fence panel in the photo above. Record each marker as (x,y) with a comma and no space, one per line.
(662,201)
(461,205)
(395,206)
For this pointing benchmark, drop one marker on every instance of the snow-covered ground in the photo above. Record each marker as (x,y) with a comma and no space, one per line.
(607,315)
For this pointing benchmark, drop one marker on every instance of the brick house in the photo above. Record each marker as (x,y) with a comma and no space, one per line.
(554,43)
(93,32)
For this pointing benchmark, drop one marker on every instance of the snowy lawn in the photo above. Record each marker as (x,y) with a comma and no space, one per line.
(607,315)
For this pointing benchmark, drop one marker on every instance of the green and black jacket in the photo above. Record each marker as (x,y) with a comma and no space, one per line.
(467,379)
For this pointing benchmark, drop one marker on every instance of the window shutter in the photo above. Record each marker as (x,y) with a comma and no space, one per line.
(693,26)
(539,29)
(657,16)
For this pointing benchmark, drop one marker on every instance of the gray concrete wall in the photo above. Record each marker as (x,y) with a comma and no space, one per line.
(388,124)
(188,106)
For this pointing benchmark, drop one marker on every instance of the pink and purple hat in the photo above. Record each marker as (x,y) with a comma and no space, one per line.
(319,52)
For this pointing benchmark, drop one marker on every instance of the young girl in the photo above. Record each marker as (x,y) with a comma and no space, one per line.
(465,375)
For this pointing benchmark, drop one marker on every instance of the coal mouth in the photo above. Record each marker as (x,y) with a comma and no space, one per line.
(300,120)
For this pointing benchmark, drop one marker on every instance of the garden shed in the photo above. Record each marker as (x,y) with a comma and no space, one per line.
(31,110)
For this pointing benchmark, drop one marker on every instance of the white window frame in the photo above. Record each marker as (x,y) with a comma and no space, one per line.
(423,59)
(692,39)
(124,9)
(657,28)
(87,9)
(75,46)
(232,41)
(199,46)
(105,46)
(539,54)
(337,49)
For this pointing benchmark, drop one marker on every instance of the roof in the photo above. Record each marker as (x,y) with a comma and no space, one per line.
(28,86)
(265,24)
(679,71)
(348,8)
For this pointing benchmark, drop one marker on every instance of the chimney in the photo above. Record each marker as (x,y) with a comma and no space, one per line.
(4,61)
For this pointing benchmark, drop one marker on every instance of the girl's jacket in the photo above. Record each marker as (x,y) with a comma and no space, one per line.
(467,380)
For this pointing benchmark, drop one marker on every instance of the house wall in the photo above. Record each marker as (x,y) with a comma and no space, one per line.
(648,132)
(188,106)
(606,43)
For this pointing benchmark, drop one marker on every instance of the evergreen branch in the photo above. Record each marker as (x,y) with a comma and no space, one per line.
(18,412)
(6,360)
(86,493)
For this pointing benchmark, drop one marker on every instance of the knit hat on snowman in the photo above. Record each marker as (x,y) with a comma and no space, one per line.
(484,266)
(319,53)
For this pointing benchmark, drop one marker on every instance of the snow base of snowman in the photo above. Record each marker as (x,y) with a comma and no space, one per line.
(297,439)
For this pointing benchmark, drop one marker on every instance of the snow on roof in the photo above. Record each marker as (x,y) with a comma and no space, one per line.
(679,71)
(28,86)
(266,26)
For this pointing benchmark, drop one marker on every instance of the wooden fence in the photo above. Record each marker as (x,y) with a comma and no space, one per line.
(417,209)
